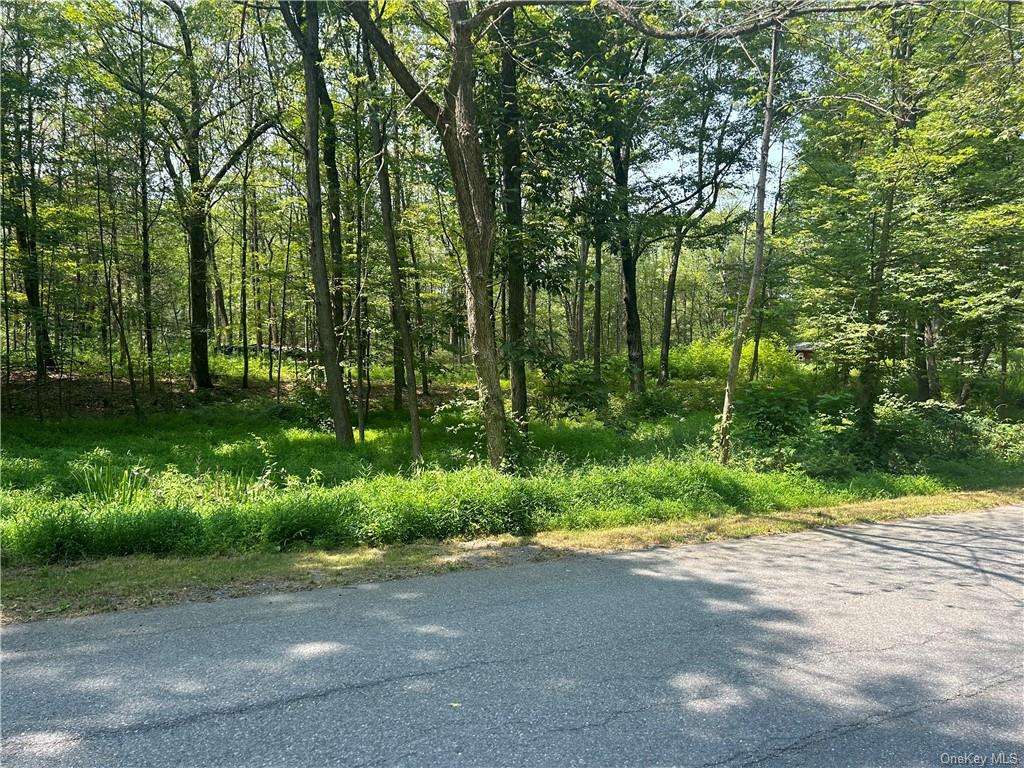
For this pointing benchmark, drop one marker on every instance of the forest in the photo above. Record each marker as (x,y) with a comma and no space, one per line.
(342,273)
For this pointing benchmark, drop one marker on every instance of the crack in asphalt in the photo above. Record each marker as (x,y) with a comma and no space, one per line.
(641,652)
(841,729)
(237,710)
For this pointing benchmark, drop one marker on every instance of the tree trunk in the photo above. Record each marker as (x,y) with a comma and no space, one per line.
(284,296)
(870,381)
(670,300)
(512,199)
(628,258)
(406,347)
(755,358)
(243,299)
(402,206)
(199,327)
(967,388)
(597,309)
(634,338)
(577,306)
(330,153)
(930,361)
(147,268)
(921,361)
(7,319)
(220,305)
(725,425)
(308,40)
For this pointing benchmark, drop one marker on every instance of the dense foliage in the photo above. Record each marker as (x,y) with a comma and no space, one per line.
(551,225)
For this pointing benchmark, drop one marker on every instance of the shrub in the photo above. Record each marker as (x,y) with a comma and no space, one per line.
(308,405)
(145,526)
(311,515)
(1002,439)
(696,361)
(699,395)
(908,432)
(48,533)
(765,413)
(572,390)
(654,404)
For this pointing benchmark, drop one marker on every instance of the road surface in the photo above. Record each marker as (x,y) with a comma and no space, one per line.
(898,644)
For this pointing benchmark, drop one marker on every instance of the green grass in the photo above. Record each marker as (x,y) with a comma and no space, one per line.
(228,497)
(45,591)
(255,475)
(232,478)
(241,441)
(181,514)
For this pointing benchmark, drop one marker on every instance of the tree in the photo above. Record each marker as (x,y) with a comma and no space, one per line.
(456,126)
(510,132)
(303,21)
(739,334)
(191,113)
(401,318)
(21,160)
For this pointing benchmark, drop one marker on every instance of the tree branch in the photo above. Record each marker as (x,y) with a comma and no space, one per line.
(254,133)
(360,11)
(703,32)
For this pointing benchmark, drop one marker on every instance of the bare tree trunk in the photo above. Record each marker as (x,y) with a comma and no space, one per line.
(417,290)
(362,347)
(670,299)
(930,361)
(577,306)
(755,358)
(144,157)
(244,288)
(597,309)
(870,381)
(406,346)
(725,425)
(7,319)
(1004,364)
(634,339)
(308,40)
(219,304)
(330,153)
(762,304)
(199,326)
(284,299)
(967,388)
(512,200)
(628,258)
(920,359)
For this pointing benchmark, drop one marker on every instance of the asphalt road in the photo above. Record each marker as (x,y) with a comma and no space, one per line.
(899,644)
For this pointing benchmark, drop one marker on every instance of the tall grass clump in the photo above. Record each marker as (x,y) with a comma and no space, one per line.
(475,501)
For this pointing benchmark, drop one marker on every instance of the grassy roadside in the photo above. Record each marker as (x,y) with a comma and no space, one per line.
(120,583)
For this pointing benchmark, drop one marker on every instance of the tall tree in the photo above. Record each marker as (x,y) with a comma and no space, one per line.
(303,21)
(21,156)
(457,130)
(512,201)
(743,320)
(401,318)
(191,115)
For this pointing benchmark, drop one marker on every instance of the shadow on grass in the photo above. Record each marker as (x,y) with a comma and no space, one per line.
(242,441)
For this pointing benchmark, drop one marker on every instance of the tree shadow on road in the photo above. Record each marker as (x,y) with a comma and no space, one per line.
(882,645)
